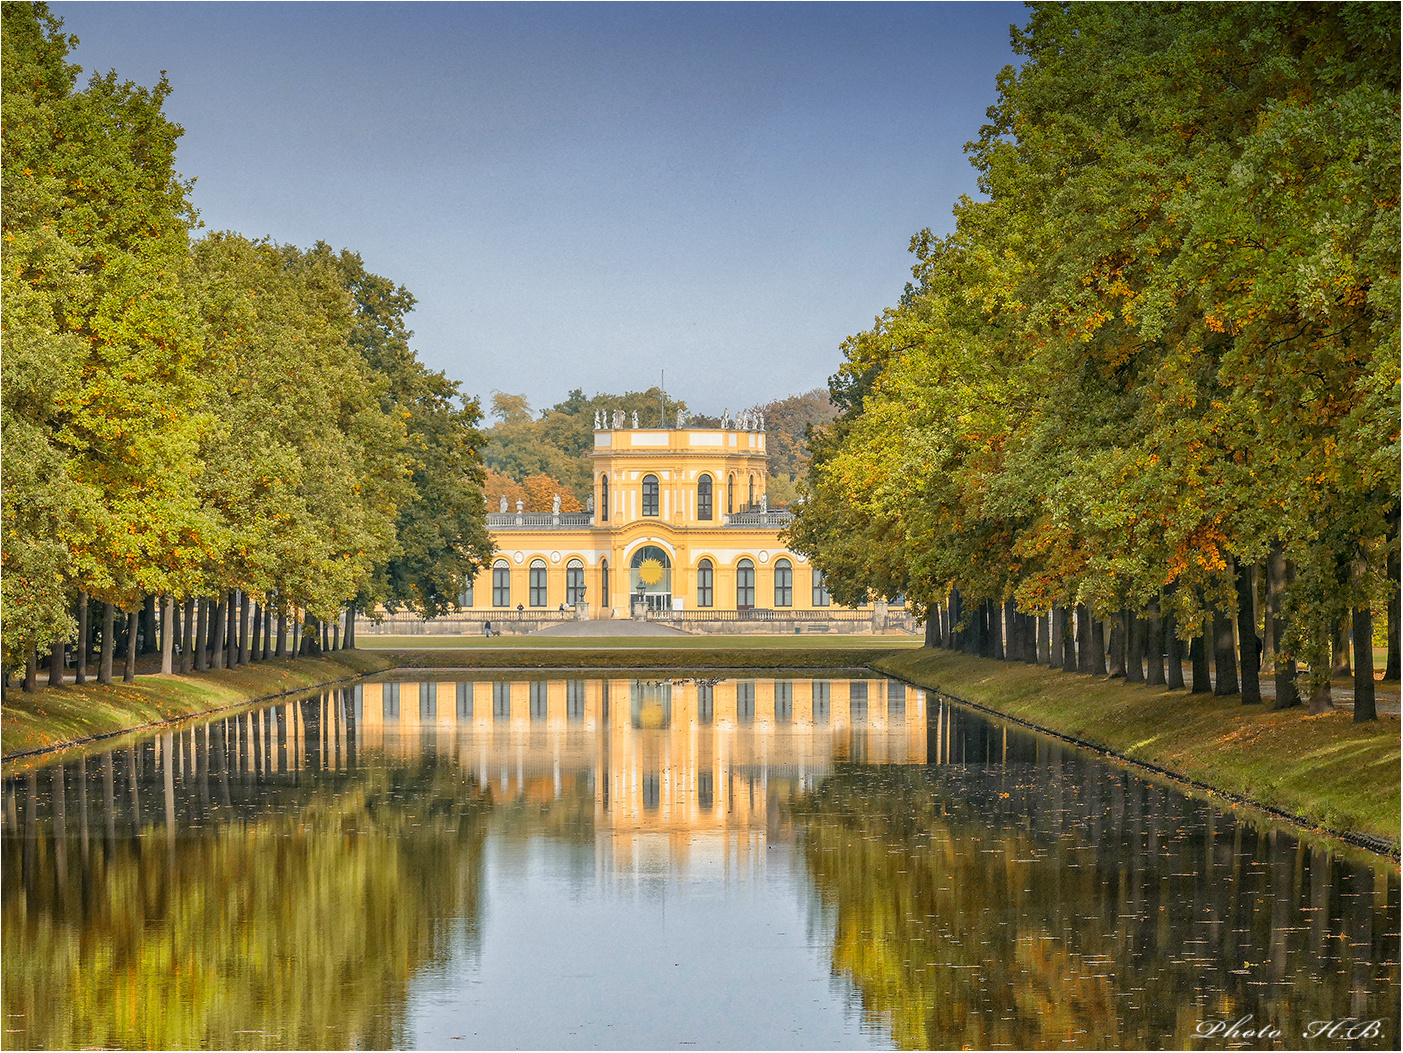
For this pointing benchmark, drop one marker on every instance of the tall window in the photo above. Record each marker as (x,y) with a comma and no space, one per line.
(730,494)
(745,701)
(745,584)
(574,700)
(604,499)
(704,498)
(501,584)
(784,583)
(536,595)
(704,581)
(784,701)
(604,583)
(538,700)
(465,594)
(821,598)
(574,582)
(650,495)
(752,492)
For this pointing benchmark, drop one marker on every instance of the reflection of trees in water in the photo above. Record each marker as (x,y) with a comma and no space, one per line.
(190,894)
(1051,904)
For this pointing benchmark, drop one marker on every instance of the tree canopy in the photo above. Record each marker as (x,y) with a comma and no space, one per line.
(1165,340)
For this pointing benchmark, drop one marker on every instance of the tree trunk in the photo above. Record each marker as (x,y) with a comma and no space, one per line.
(325,630)
(1135,651)
(1044,652)
(1174,654)
(149,644)
(1283,661)
(1202,682)
(1249,658)
(1069,644)
(998,630)
(1391,669)
(216,633)
(232,626)
(168,636)
(104,662)
(1098,646)
(129,671)
(1083,638)
(1319,677)
(187,649)
(255,632)
(296,638)
(31,670)
(267,629)
(1339,658)
(243,627)
(1224,656)
(1363,626)
(932,626)
(1118,642)
(281,650)
(80,656)
(200,645)
(1154,645)
(56,663)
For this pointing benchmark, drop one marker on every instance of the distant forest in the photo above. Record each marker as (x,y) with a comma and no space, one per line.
(532,456)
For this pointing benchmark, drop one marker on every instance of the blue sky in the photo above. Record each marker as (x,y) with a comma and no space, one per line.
(583,195)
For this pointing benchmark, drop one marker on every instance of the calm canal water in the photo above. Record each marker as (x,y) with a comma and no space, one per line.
(633,863)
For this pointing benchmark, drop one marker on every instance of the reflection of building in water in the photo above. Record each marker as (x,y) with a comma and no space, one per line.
(680,758)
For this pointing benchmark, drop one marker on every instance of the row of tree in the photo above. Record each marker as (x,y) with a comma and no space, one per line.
(209,420)
(1154,373)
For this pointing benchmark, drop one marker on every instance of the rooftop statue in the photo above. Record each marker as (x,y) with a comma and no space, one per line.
(555,504)
(618,418)
(635,418)
(503,505)
(598,420)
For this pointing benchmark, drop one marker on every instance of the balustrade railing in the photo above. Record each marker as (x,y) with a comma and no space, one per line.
(539,520)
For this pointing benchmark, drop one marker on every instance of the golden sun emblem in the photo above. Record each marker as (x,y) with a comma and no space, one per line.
(650,572)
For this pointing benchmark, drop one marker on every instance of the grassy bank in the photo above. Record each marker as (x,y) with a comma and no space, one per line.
(57,715)
(1328,770)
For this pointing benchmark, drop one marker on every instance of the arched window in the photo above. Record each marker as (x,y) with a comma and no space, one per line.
(821,597)
(574,582)
(784,583)
(604,583)
(730,494)
(704,498)
(501,584)
(704,582)
(752,493)
(650,495)
(536,594)
(745,584)
(604,498)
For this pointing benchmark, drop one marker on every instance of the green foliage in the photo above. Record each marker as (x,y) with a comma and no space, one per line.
(1166,339)
(187,418)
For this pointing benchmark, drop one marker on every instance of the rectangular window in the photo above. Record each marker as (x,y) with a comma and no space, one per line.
(704,582)
(537,586)
(574,583)
(538,700)
(784,701)
(745,701)
(784,583)
(501,585)
(821,598)
(574,700)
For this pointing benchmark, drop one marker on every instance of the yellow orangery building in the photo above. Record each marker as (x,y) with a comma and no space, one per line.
(678,524)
